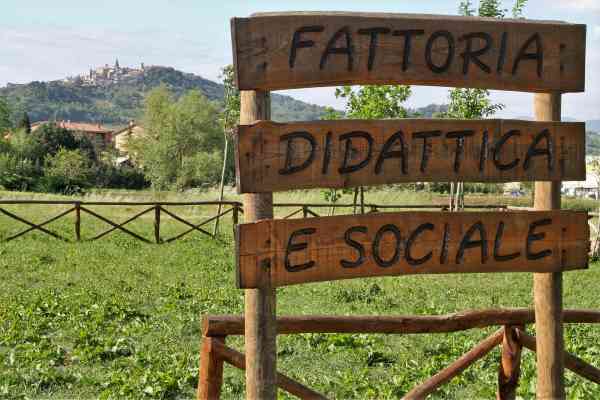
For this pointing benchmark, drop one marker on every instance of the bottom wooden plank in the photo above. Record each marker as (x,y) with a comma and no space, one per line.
(350,246)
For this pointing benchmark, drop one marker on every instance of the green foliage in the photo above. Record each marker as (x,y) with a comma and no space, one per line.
(175,133)
(466,8)
(592,144)
(331,114)
(491,8)
(67,171)
(5,122)
(517,10)
(230,115)
(466,103)
(375,102)
(24,123)
(53,138)
(17,173)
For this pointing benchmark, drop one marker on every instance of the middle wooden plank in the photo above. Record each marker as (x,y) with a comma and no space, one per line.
(346,153)
(351,246)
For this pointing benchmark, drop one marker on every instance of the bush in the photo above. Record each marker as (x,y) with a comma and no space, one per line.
(123,177)
(201,169)
(17,173)
(67,172)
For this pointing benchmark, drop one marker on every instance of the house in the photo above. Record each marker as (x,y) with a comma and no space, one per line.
(99,135)
(121,137)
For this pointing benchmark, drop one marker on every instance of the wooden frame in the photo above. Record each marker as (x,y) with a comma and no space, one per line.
(511,336)
(294,50)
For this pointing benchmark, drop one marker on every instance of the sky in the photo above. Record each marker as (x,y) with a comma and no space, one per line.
(46,40)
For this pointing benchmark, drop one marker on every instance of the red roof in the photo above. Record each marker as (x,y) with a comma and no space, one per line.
(77,127)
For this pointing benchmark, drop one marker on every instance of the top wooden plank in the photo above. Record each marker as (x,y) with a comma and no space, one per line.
(293,50)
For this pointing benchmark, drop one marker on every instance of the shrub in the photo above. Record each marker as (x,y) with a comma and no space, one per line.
(122,177)
(67,172)
(17,173)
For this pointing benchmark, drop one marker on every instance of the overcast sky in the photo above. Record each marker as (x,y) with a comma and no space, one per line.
(50,39)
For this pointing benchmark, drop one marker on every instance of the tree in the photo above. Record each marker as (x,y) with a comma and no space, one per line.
(53,138)
(468,103)
(175,131)
(375,102)
(229,118)
(25,123)
(67,171)
(4,116)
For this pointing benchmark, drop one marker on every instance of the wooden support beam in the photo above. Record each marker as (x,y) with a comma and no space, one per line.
(78,221)
(548,286)
(33,226)
(456,368)
(115,225)
(260,303)
(121,225)
(510,365)
(157,224)
(222,325)
(238,360)
(210,379)
(572,362)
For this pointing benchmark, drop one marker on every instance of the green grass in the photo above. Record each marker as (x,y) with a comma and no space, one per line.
(119,318)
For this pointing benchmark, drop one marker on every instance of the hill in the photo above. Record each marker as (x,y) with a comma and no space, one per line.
(120,102)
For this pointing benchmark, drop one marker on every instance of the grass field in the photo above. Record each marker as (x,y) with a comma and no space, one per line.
(119,318)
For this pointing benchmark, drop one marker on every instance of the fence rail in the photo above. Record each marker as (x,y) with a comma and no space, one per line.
(231,207)
(511,336)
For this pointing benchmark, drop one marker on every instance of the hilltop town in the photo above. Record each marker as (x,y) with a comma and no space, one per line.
(105,75)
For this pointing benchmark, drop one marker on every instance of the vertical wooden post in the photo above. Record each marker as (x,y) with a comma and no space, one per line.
(304,211)
(362,200)
(548,286)
(260,309)
(510,364)
(236,216)
(211,370)
(157,223)
(78,221)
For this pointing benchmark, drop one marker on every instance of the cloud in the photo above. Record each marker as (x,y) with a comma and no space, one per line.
(596,32)
(48,52)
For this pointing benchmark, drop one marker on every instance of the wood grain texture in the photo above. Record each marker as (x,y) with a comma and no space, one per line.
(510,365)
(223,325)
(348,153)
(547,288)
(344,247)
(292,50)
(211,369)
(260,303)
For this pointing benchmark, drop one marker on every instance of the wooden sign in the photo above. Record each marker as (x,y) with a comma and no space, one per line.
(345,153)
(343,247)
(292,50)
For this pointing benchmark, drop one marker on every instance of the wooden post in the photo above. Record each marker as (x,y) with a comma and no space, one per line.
(304,211)
(78,221)
(260,322)
(548,286)
(211,369)
(510,364)
(236,215)
(157,223)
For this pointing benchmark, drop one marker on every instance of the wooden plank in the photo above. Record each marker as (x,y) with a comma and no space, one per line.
(293,50)
(352,246)
(348,153)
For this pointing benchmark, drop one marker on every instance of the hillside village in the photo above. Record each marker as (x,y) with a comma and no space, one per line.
(106,75)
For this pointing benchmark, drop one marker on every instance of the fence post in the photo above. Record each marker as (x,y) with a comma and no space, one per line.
(236,215)
(510,364)
(157,223)
(547,287)
(210,379)
(260,304)
(304,211)
(78,221)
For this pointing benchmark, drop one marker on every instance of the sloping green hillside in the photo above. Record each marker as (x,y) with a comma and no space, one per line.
(121,102)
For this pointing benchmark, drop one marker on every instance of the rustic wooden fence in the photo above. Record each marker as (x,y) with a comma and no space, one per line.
(80,207)
(512,337)
(158,208)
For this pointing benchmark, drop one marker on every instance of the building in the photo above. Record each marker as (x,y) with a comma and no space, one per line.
(121,137)
(100,136)
(106,74)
